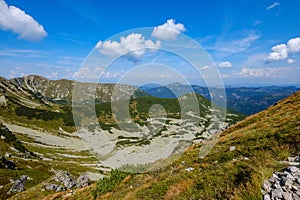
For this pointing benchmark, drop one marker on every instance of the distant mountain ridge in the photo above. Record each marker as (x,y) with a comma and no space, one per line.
(246,100)
(38,88)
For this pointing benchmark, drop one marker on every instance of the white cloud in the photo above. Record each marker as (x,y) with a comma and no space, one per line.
(283,73)
(225,64)
(279,53)
(134,46)
(293,45)
(17,21)
(22,53)
(282,51)
(290,61)
(169,30)
(273,6)
(258,72)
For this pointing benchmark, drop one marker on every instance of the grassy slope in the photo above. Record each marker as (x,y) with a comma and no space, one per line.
(265,138)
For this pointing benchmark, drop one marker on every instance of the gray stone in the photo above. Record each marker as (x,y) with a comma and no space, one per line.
(288,182)
(59,188)
(287,196)
(82,181)
(267,197)
(267,186)
(54,187)
(285,188)
(69,182)
(295,196)
(263,192)
(293,169)
(18,185)
(65,178)
(276,193)
(273,178)
(51,187)
(277,184)
(289,176)
(283,185)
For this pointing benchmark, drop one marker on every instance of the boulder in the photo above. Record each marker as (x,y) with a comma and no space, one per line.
(65,181)
(82,181)
(54,187)
(18,185)
(65,178)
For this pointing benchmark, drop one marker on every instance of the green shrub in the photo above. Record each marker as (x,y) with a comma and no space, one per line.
(107,184)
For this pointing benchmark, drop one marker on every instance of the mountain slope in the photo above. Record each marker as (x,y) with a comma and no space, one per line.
(244,156)
(42,123)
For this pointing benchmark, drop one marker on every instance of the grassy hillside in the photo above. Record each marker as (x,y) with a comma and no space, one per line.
(260,142)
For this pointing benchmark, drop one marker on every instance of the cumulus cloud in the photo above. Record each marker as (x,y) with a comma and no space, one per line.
(290,61)
(168,31)
(273,5)
(17,21)
(282,51)
(132,47)
(294,45)
(279,53)
(225,64)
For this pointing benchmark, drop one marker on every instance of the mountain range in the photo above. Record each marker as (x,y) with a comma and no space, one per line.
(246,100)
(39,139)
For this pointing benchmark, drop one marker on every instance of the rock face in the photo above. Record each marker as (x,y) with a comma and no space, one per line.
(65,181)
(18,185)
(283,185)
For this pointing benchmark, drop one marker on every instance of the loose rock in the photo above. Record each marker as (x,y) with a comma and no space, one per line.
(283,185)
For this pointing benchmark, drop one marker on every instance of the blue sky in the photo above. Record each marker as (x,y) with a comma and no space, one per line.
(252,42)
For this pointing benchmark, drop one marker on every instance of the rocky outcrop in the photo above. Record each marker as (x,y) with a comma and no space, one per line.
(64,181)
(284,185)
(65,178)
(18,185)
